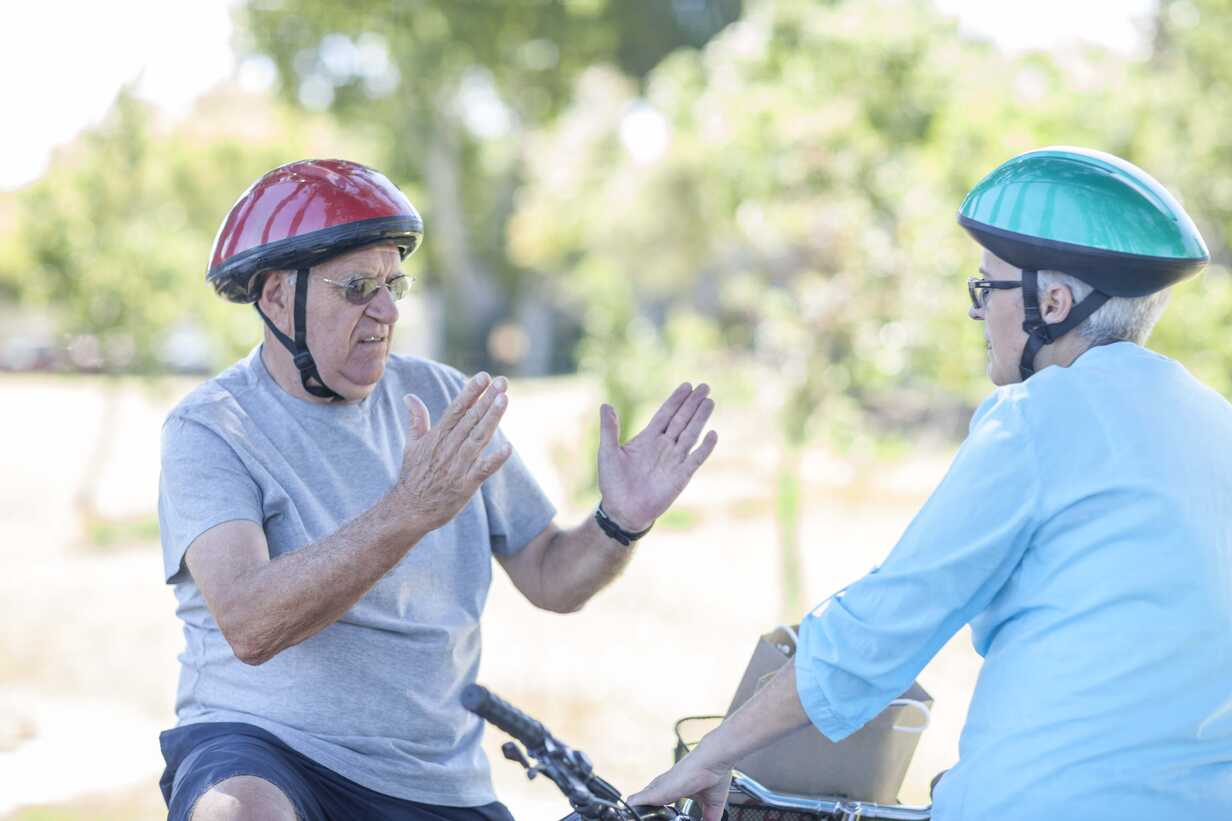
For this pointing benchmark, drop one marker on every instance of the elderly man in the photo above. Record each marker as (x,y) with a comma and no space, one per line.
(1082,531)
(329,515)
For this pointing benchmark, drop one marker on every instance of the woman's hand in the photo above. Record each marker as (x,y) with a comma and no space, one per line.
(689,779)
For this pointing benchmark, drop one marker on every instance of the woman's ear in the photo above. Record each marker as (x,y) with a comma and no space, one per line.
(1058,302)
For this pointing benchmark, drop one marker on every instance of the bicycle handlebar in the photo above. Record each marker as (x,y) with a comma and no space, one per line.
(571,771)
(480,701)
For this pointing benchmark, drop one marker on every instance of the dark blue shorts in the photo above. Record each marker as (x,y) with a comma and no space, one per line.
(199,756)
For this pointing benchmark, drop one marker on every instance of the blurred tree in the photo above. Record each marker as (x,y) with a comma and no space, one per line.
(797,182)
(449,87)
(114,240)
(1184,116)
(1183,104)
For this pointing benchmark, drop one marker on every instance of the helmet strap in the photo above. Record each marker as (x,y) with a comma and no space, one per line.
(300,354)
(1039,332)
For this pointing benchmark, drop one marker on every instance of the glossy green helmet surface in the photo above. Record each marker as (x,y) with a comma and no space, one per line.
(1088,214)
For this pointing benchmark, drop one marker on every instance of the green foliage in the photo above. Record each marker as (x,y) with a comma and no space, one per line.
(105,534)
(795,196)
(797,183)
(805,198)
(84,231)
(1194,328)
(115,239)
(451,87)
(1179,113)
(800,213)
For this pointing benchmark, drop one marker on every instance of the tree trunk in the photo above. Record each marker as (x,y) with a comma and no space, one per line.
(474,300)
(538,321)
(85,502)
(787,510)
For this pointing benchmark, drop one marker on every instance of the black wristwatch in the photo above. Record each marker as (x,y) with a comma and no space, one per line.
(615,531)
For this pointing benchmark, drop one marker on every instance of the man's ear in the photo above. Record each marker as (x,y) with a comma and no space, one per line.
(276,296)
(1058,302)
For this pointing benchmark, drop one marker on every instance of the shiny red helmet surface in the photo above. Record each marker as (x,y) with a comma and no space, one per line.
(303,213)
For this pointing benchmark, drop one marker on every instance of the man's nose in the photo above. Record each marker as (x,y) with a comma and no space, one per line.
(382,308)
(976,313)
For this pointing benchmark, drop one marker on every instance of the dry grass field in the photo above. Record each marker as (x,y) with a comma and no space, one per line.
(88,639)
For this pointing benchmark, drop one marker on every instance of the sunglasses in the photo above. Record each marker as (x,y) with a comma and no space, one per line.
(978,289)
(362,290)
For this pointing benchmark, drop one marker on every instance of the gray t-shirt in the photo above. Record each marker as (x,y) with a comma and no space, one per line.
(374,696)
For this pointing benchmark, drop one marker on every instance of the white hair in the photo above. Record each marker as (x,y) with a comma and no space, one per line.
(1119,319)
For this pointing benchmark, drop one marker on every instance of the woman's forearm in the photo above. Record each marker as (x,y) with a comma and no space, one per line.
(772,712)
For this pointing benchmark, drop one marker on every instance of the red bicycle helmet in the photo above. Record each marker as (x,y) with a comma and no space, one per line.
(301,214)
(298,216)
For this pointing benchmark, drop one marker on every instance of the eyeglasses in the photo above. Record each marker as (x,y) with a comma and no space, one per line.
(362,290)
(978,289)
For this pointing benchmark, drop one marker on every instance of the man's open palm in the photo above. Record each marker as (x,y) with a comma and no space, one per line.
(640,479)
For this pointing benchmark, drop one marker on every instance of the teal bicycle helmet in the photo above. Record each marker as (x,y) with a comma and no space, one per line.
(1088,214)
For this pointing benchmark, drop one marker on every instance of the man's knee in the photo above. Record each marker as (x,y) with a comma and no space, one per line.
(243,798)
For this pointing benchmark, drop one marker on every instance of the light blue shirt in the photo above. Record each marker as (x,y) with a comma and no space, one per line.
(1084,531)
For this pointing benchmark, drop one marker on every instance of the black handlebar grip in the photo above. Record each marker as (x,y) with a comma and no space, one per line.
(518,724)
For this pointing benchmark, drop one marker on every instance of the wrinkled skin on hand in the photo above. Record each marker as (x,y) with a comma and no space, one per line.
(443,466)
(690,778)
(640,479)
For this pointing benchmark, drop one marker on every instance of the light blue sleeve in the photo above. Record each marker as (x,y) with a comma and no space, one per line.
(862,647)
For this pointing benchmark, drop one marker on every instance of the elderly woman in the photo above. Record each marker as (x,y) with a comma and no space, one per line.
(1083,531)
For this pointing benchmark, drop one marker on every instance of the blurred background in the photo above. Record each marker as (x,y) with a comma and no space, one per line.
(619,195)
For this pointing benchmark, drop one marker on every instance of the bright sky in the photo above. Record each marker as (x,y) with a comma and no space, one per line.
(63,60)
(1118,24)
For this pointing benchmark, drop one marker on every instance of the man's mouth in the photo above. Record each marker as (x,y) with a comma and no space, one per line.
(372,339)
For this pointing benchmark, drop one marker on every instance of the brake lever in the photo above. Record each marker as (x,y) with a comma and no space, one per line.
(571,770)
(514,753)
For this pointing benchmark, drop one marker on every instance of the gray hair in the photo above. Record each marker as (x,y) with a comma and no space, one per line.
(1119,319)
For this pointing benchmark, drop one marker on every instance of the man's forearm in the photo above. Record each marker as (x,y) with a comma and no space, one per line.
(301,593)
(578,563)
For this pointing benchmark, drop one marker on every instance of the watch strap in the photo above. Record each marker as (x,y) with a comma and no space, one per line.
(615,531)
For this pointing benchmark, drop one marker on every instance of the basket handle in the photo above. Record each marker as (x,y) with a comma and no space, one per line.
(918,705)
(791,634)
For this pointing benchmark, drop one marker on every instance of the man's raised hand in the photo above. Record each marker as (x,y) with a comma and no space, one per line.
(640,479)
(443,466)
